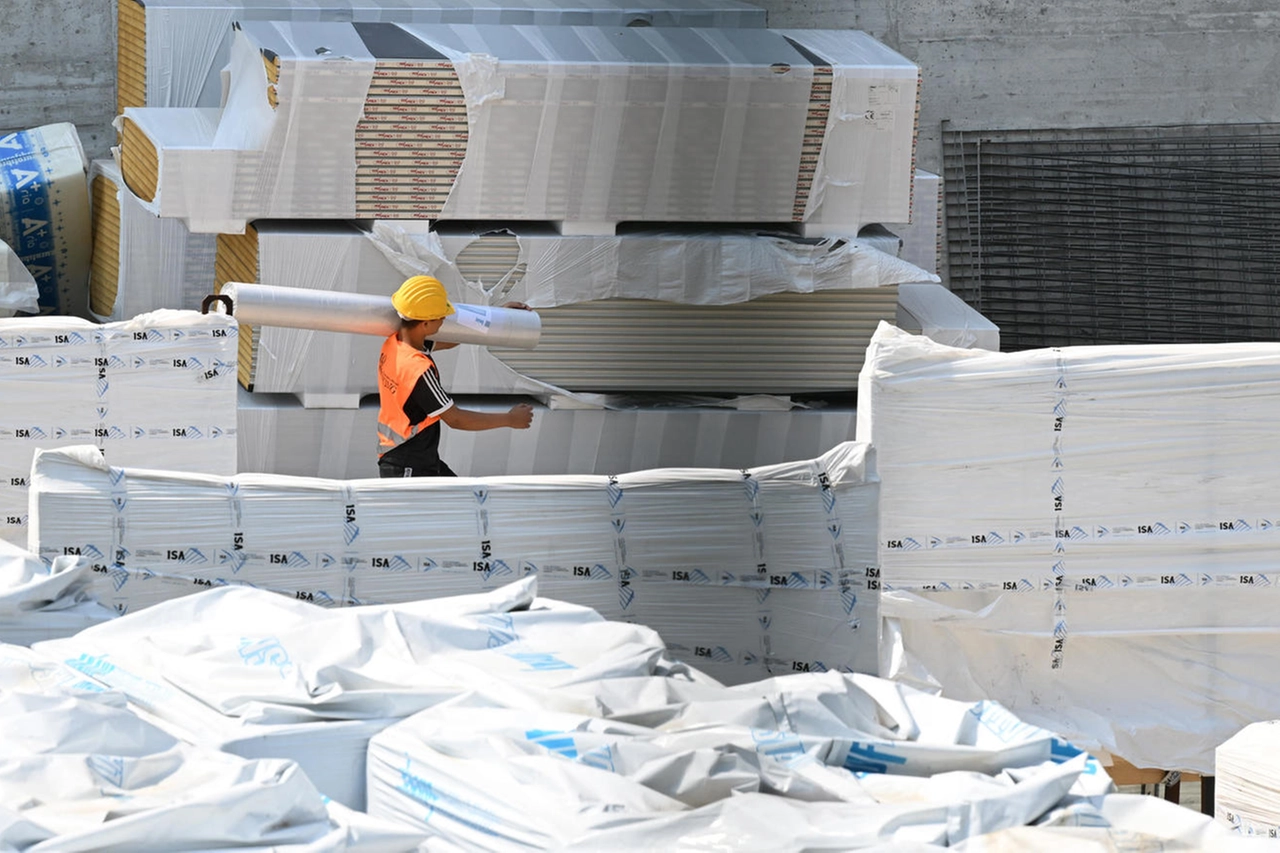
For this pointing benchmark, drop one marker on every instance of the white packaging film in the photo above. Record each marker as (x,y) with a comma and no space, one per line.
(156,390)
(188,42)
(1085,536)
(922,236)
(159,263)
(1246,795)
(18,290)
(44,214)
(729,148)
(845,281)
(628,545)
(277,435)
(43,602)
(938,314)
(80,771)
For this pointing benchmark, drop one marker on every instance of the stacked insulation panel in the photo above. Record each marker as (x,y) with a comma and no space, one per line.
(158,390)
(792,543)
(171,52)
(438,121)
(1087,535)
(640,312)
(141,262)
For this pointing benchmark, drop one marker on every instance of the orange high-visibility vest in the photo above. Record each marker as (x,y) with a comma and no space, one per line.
(399,368)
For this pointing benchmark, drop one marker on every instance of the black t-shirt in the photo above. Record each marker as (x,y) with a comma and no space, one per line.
(427,399)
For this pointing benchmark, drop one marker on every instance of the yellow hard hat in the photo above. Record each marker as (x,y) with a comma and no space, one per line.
(422,298)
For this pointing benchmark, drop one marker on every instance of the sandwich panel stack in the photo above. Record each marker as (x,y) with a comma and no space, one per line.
(746,333)
(141,262)
(157,390)
(171,52)
(805,530)
(1087,536)
(633,124)
(278,435)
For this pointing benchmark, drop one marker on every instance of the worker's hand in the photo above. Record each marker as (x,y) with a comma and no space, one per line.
(520,416)
(519,306)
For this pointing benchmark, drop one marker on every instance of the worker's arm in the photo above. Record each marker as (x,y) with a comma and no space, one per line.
(517,417)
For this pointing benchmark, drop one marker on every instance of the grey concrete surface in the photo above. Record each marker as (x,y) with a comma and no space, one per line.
(58,63)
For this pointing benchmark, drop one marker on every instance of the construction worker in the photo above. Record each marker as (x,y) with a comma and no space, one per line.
(413,401)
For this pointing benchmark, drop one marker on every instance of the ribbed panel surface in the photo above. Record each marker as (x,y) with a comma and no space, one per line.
(139,162)
(781,344)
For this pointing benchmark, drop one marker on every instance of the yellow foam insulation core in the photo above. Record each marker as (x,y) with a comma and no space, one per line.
(237,260)
(131,55)
(104,270)
(139,163)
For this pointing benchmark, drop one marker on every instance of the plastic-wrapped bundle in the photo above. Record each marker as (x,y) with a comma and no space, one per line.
(1084,534)
(42,602)
(18,290)
(431,121)
(627,545)
(1247,796)
(171,52)
(156,390)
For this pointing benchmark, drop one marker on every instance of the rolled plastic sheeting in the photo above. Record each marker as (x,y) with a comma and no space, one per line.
(362,314)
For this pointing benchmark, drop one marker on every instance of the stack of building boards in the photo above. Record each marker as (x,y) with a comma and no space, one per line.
(141,262)
(156,391)
(644,311)
(1077,506)
(171,52)
(790,543)
(808,126)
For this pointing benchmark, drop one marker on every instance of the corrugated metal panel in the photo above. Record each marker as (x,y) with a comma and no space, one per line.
(786,343)
(781,344)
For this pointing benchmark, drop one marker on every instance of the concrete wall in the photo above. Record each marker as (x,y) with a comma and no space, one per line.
(988,64)
(58,63)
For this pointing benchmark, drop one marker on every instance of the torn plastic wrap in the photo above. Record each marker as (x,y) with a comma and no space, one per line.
(731,144)
(83,772)
(184,45)
(18,290)
(1084,537)
(628,545)
(141,262)
(156,390)
(44,214)
(620,312)
(278,435)
(41,601)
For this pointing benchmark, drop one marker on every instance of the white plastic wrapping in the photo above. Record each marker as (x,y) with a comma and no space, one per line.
(1247,793)
(43,602)
(18,290)
(922,236)
(799,536)
(938,314)
(188,42)
(262,676)
(158,390)
(548,270)
(1083,534)
(734,105)
(44,214)
(160,263)
(79,772)
(278,435)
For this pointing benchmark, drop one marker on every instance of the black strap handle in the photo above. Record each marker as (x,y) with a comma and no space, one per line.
(217,297)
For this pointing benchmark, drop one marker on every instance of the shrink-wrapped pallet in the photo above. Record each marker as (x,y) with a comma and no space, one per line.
(18,290)
(156,390)
(580,125)
(1247,792)
(650,310)
(172,52)
(627,545)
(44,213)
(1084,534)
(141,262)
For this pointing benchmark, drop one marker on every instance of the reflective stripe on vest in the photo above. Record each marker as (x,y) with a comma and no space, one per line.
(399,368)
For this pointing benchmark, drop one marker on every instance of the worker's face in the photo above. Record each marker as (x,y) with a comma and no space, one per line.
(417,334)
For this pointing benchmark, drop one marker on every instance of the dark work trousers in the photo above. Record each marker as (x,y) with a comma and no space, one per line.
(390,469)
